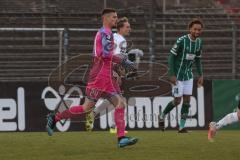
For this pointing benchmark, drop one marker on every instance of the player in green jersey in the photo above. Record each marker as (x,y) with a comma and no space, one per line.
(183,54)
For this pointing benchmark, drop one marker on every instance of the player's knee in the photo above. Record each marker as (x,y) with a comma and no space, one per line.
(177,101)
(87,108)
(106,102)
(122,103)
(186,99)
(88,105)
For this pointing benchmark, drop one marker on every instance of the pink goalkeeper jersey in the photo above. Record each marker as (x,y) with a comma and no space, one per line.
(100,76)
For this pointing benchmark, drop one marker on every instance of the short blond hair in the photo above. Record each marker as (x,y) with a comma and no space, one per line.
(120,22)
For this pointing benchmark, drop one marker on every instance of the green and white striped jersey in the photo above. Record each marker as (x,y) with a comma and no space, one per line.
(185,51)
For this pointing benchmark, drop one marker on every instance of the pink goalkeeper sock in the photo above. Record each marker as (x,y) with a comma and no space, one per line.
(119,120)
(69,113)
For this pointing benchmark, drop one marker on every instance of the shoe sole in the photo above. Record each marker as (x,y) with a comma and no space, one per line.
(49,131)
(134,141)
(185,131)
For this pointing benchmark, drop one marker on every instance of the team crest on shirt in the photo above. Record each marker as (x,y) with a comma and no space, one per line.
(190,56)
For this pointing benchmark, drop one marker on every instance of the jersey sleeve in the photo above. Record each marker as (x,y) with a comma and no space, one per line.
(199,49)
(175,50)
(171,61)
(107,53)
(177,47)
(107,44)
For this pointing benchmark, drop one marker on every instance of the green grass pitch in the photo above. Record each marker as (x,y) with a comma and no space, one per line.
(153,145)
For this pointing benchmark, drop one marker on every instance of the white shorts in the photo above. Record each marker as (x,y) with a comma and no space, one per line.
(182,88)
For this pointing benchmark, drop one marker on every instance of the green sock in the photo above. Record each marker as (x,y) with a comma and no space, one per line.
(169,107)
(184,114)
(182,123)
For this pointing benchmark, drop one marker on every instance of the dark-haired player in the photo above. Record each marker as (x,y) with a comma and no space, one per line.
(186,51)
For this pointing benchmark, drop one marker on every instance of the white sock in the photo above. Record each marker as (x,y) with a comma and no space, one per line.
(228,119)
(102,105)
(113,120)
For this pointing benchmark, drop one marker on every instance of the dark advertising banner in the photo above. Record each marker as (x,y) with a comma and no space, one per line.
(225,95)
(24,106)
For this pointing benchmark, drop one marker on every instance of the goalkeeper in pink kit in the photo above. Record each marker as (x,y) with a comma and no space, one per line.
(101,83)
